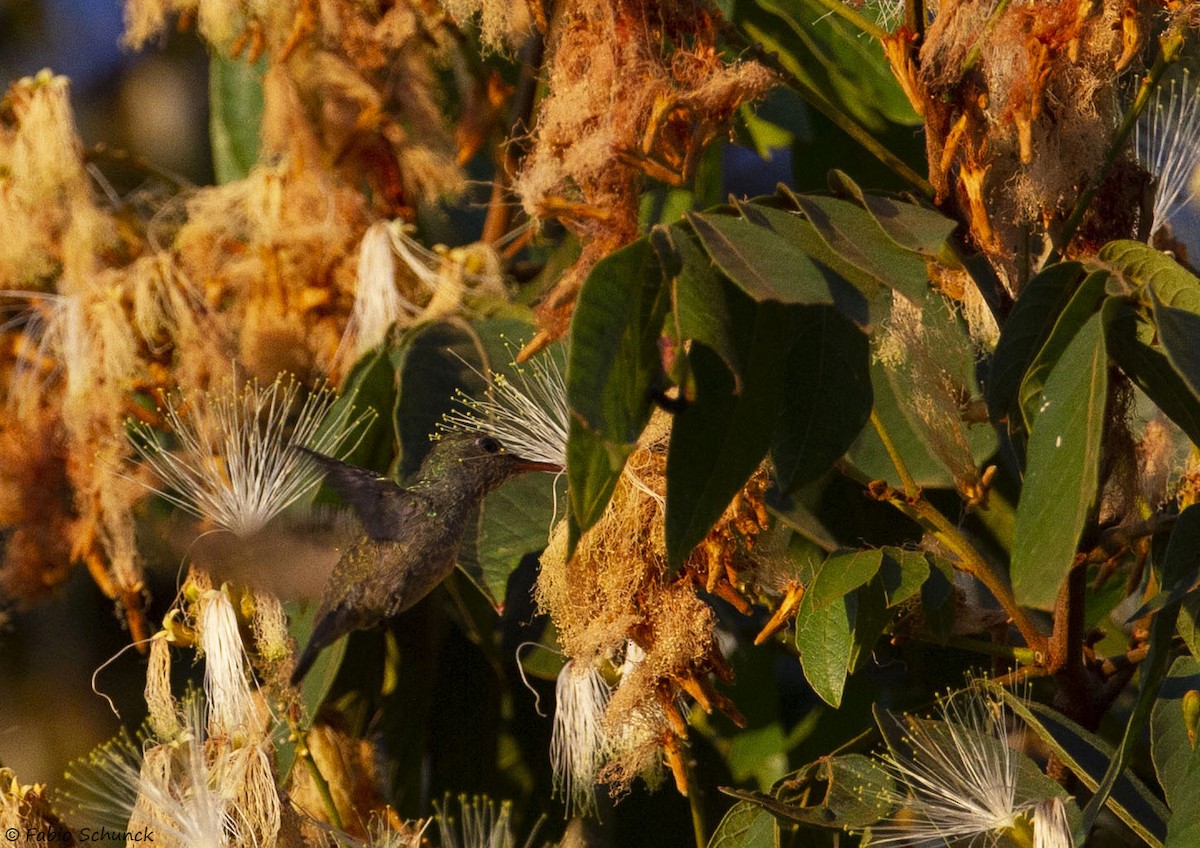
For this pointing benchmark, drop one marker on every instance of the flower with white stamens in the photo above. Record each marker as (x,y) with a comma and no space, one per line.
(578,743)
(236,464)
(231,703)
(480,823)
(1167,143)
(527,413)
(957,782)
(168,788)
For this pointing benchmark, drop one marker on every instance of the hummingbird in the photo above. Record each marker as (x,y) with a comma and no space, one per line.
(412,534)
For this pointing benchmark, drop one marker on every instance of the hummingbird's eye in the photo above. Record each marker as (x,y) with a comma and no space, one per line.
(489,444)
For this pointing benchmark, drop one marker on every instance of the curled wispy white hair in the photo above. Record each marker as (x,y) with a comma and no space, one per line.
(578,743)
(528,413)
(956,781)
(1167,142)
(236,464)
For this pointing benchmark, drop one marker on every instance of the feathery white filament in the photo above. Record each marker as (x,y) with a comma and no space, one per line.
(377,301)
(527,413)
(167,789)
(1167,142)
(226,689)
(236,464)
(1050,826)
(889,14)
(578,744)
(958,780)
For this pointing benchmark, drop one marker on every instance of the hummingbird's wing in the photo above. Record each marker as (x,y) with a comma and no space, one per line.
(386,509)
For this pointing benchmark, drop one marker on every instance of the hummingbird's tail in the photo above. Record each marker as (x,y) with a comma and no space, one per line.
(330,627)
(305,662)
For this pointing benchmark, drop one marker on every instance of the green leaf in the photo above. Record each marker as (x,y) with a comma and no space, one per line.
(720,437)
(235,95)
(432,361)
(909,225)
(1083,305)
(1088,757)
(832,57)
(852,233)
(840,575)
(612,365)
(1063,470)
(372,383)
(1024,333)
(827,398)
(1176,759)
(871,618)
(903,573)
(1137,265)
(513,521)
(801,234)
(852,800)
(758,754)
(825,640)
(1189,623)
(1179,332)
(746,825)
(698,297)
(1152,372)
(850,787)
(763,265)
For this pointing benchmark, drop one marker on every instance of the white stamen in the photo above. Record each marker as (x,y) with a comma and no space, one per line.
(226,689)
(1167,142)
(236,465)
(527,414)
(479,825)
(1050,826)
(579,745)
(957,780)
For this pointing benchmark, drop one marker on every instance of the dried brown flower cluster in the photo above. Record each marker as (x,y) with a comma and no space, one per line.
(997,83)
(615,600)
(263,270)
(636,89)
(350,87)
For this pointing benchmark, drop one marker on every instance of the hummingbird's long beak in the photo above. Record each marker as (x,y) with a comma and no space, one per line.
(531,465)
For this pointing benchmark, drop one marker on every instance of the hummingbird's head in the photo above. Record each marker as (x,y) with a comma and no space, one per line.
(477,461)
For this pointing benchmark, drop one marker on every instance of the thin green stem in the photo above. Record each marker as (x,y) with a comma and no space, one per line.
(696,806)
(1169,49)
(302,751)
(851,16)
(973,563)
(976,50)
(970,560)
(911,490)
(1023,656)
